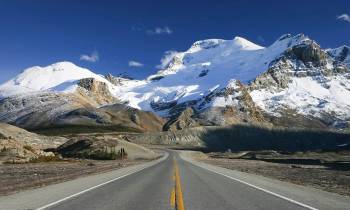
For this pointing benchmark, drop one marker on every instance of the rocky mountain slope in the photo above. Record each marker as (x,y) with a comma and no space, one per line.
(97,147)
(81,99)
(214,82)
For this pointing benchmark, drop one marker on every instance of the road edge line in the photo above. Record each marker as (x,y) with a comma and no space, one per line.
(99,185)
(256,187)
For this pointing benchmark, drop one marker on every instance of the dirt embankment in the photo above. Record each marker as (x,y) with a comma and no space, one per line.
(20,146)
(329,171)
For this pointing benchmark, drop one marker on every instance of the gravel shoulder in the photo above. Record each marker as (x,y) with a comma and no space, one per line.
(306,169)
(19,177)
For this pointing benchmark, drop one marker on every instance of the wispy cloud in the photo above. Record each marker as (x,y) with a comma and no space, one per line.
(159,30)
(166,59)
(135,64)
(137,28)
(344,17)
(90,58)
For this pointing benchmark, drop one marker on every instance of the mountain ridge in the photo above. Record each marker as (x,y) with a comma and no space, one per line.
(231,80)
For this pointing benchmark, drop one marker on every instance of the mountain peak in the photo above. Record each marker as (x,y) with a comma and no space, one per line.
(284,36)
(63,64)
(58,66)
(245,44)
(288,40)
(205,44)
(37,78)
(237,42)
(341,54)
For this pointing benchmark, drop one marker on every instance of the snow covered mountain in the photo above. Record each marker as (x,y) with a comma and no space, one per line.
(341,54)
(219,82)
(62,77)
(292,74)
(64,94)
(207,66)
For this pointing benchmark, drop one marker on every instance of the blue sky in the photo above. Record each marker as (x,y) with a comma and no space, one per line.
(132,36)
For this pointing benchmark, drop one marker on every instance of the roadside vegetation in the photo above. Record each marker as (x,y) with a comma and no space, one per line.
(104,154)
(76,129)
(43,159)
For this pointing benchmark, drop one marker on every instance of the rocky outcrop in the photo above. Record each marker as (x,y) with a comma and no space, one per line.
(96,91)
(143,121)
(119,79)
(8,131)
(183,120)
(190,137)
(308,52)
(341,54)
(14,151)
(92,148)
(19,146)
(104,147)
(230,105)
(238,104)
(303,60)
(159,106)
(316,71)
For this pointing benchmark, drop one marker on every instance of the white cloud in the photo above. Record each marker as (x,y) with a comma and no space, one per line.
(135,64)
(344,17)
(166,59)
(159,30)
(90,58)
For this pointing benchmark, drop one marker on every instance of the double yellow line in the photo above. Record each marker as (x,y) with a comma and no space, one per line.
(176,197)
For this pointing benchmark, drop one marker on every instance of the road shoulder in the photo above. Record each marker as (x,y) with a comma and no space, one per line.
(312,197)
(36,198)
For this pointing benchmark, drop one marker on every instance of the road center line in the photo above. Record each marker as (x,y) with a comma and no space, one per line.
(259,188)
(178,198)
(173,193)
(172,197)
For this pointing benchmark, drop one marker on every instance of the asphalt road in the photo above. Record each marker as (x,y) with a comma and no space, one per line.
(179,183)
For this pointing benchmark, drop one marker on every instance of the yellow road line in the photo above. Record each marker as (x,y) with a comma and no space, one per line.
(173,192)
(178,190)
(172,198)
